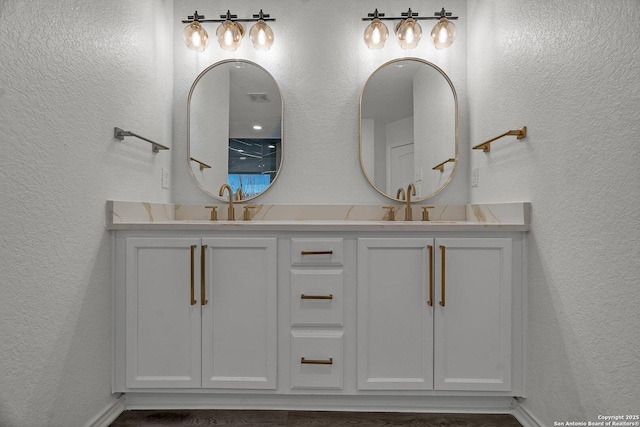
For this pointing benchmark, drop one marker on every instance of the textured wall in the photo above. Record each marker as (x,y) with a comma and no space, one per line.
(69,72)
(570,71)
(321,64)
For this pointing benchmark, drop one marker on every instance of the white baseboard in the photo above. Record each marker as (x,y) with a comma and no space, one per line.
(525,417)
(435,404)
(108,414)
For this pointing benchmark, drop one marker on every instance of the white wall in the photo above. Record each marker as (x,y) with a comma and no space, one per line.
(570,72)
(71,71)
(321,64)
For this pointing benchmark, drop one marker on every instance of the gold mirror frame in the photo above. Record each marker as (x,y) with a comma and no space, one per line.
(455,100)
(189,156)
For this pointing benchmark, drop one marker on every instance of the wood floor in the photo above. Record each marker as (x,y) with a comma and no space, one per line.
(158,418)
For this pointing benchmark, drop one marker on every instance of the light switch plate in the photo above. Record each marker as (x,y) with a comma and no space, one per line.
(166,178)
(475,174)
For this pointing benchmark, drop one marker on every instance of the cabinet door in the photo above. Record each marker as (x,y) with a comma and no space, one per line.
(162,321)
(473,314)
(239,318)
(395,321)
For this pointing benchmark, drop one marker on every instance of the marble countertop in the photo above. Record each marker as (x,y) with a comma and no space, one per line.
(122,215)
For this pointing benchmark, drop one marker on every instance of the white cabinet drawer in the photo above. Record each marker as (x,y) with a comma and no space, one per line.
(316,252)
(316,297)
(316,360)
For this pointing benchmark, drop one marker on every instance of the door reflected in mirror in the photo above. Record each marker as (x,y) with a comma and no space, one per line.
(408,128)
(235,128)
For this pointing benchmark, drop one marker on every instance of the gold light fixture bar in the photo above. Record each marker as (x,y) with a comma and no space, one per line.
(202,165)
(440,167)
(518,133)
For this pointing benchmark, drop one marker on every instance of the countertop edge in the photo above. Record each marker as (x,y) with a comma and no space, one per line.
(293,226)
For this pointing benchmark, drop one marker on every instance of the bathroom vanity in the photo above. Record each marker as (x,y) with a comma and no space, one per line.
(338,311)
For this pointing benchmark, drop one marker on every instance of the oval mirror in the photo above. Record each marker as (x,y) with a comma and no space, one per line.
(234,122)
(409,128)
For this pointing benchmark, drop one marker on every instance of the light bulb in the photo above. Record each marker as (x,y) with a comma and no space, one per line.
(443,33)
(261,35)
(196,37)
(409,33)
(376,34)
(229,35)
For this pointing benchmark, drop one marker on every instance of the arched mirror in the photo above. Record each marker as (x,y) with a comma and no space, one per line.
(235,128)
(409,128)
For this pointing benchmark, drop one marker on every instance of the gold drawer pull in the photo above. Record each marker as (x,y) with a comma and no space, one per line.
(316,253)
(442,283)
(193,250)
(303,296)
(317,362)
(430,301)
(203,282)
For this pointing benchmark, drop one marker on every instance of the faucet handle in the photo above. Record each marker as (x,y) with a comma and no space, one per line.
(391,215)
(425,212)
(214,213)
(247,212)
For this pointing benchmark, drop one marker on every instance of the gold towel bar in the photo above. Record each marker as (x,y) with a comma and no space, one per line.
(440,167)
(120,134)
(202,165)
(518,133)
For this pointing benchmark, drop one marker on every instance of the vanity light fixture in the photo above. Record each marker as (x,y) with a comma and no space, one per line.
(408,30)
(230,32)
(444,32)
(261,34)
(195,36)
(376,33)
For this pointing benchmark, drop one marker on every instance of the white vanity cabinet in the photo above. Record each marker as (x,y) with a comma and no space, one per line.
(320,319)
(434,314)
(196,312)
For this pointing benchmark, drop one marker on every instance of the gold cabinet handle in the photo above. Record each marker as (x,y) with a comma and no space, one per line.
(328,361)
(442,284)
(203,288)
(430,301)
(193,250)
(303,296)
(316,253)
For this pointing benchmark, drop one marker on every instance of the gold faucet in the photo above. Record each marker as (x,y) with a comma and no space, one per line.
(239,195)
(411,191)
(230,216)
(399,193)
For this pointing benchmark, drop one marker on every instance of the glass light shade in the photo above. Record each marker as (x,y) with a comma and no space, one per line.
(376,34)
(196,37)
(261,35)
(443,33)
(408,33)
(229,35)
